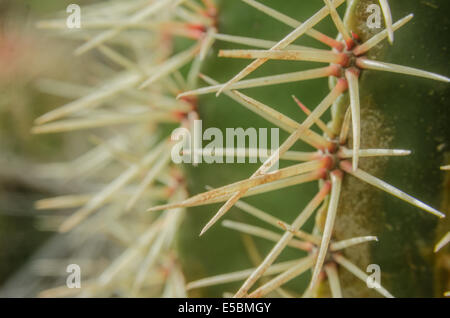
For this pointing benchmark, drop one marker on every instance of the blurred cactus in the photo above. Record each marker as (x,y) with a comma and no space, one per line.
(148,56)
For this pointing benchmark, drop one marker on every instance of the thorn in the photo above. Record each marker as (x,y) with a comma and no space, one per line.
(343,136)
(388,19)
(336,246)
(287,236)
(259,43)
(311,55)
(319,122)
(340,87)
(291,37)
(352,75)
(301,267)
(295,24)
(333,280)
(339,24)
(171,65)
(368,178)
(444,241)
(352,268)
(237,276)
(348,153)
(109,191)
(336,182)
(394,68)
(150,10)
(322,72)
(366,46)
(102,121)
(266,234)
(269,219)
(258,178)
(120,83)
(148,180)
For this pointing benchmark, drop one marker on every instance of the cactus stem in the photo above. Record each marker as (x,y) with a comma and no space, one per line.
(368,178)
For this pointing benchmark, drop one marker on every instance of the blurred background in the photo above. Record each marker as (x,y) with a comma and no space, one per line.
(34,62)
(25,59)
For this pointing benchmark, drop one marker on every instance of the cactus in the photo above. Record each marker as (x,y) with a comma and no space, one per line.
(162,49)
